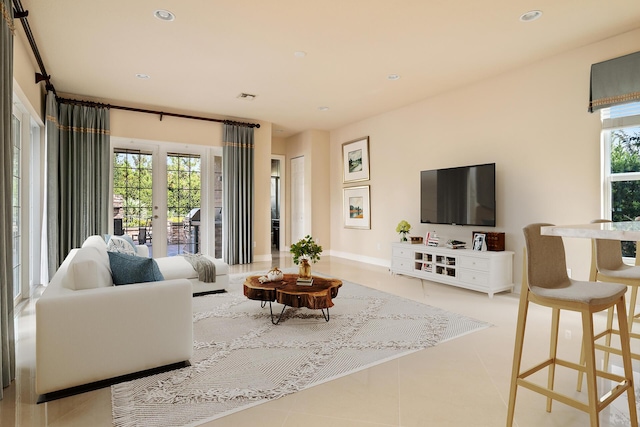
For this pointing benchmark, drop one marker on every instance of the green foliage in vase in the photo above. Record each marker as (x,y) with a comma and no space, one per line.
(403,227)
(306,248)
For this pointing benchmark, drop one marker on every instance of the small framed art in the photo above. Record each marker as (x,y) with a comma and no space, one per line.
(355,160)
(479,242)
(357,207)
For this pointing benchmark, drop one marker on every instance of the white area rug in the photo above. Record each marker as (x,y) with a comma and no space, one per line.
(241,359)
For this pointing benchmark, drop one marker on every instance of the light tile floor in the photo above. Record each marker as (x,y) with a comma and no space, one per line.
(463,382)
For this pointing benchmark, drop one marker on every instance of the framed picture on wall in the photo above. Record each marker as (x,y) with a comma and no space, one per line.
(357,207)
(355,160)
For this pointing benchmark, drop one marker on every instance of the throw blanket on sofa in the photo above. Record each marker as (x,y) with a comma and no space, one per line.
(205,267)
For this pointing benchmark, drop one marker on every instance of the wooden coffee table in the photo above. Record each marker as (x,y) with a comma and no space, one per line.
(290,294)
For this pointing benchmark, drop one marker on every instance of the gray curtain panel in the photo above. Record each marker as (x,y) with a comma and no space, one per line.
(615,81)
(7,338)
(237,206)
(77,176)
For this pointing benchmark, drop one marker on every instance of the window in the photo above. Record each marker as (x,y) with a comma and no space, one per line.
(621,165)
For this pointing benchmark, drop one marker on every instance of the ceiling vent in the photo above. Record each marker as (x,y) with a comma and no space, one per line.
(247,96)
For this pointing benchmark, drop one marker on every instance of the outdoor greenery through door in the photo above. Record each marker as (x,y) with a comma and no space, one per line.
(134,210)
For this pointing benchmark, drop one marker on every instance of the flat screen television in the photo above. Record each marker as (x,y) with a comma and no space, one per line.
(463,195)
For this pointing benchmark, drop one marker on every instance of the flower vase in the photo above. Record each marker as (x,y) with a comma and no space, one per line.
(305,269)
(403,238)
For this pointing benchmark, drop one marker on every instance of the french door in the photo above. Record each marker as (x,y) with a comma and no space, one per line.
(161,197)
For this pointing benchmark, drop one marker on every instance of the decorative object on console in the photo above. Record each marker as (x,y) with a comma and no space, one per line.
(357,207)
(304,251)
(432,239)
(403,228)
(355,159)
(416,240)
(479,242)
(456,244)
(493,240)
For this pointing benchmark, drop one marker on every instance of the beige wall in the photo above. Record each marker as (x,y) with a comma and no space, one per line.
(24,70)
(532,122)
(279,146)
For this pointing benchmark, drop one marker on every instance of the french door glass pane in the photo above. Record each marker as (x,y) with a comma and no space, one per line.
(183,203)
(132,195)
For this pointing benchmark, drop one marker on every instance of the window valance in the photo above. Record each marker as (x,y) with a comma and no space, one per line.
(616,81)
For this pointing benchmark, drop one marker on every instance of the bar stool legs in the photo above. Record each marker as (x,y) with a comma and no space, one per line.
(586,307)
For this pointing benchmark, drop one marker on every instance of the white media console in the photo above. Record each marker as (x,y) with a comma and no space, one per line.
(483,271)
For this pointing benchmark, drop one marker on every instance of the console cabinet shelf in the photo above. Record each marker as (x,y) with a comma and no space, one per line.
(488,272)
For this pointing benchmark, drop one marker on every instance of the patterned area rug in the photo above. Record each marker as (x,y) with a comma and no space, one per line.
(241,359)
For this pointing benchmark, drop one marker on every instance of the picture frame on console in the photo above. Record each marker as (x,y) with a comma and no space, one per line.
(357,207)
(355,160)
(479,242)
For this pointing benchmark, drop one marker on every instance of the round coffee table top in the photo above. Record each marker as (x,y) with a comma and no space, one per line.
(317,296)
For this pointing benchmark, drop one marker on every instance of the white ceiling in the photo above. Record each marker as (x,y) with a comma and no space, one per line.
(215,50)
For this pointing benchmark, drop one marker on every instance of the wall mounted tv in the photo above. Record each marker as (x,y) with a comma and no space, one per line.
(459,196)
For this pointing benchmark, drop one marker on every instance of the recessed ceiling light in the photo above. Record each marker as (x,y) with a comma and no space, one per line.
(143,76)
(164,15)
(299,54)
(532,15)
(393,77)
(323,108)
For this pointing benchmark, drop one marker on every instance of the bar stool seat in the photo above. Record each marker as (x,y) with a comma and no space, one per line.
(545,282)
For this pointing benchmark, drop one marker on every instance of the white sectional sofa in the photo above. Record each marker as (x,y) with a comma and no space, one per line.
(89,330)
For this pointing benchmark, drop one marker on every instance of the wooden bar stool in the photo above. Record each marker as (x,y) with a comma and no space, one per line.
(545,282)
(607,266)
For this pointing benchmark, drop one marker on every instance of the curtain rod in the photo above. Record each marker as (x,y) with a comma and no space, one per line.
(160,113)
(21,14)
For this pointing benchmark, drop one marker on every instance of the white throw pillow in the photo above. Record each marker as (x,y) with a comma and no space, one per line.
(86,270)
(118,244)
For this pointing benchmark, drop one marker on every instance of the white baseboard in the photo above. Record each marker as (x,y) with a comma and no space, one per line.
(262,258)
(366,259)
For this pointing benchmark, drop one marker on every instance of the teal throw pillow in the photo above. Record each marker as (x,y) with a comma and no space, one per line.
(127,269)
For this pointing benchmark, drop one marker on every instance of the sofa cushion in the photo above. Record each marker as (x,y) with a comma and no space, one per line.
(176,267)
(127,269)
(86,271)
(101,246)
(121,245)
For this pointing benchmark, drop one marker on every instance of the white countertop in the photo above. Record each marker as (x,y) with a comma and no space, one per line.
(626,230)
